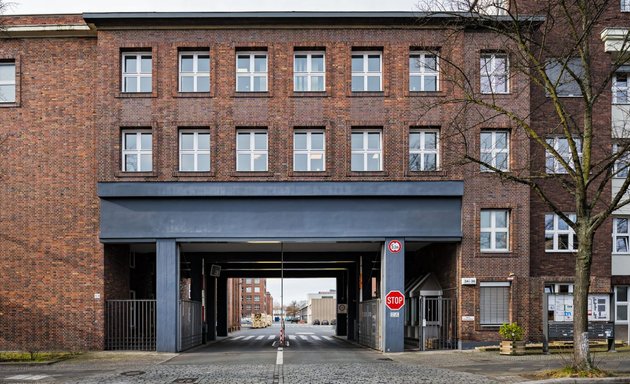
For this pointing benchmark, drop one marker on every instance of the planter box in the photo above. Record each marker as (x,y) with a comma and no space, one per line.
(512,348)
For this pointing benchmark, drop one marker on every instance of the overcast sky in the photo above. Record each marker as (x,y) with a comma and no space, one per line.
(296,289)
(75,6)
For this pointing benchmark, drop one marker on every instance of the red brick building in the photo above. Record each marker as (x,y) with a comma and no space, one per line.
(138,151)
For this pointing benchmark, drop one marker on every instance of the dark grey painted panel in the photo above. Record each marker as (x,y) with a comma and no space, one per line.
(280,218)
(281,189)
(393,274)
(167,295)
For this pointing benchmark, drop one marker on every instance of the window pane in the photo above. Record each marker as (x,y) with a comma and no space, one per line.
(374,83)
(622,312)
(414,84)
(300,63)
(485,219)
(242,141)
(300,141)
(485,84)
(414,63)
(562,225)
(301,162)
(145,64)
(549,222)
(486,140)
(357,162)
(414,140)
(203,163)
(145,84)
(260,162)
(242,63)
(430,63)
(145,163)
(484,240)
(374,63)
(317,162)
(622,293)
(357,63)
(374,140)
(548,241)
(203,141)
(242,84)
(187,84)
(301,84)
(317,83)
(621,245)
(501,240)
(186,63)
(130,64)
(203,63)
(7,72)
(357,140)
(188,163)
(130,141)
(500,219)
(317,141)
(374,162)
(563,241)
(131,84)
(131,163)
(430,162)
(430,140)
(414,162)
(187,141)
(622,225)
(317,63)
(203,84)
(260,83)
(7,93)
(145,141)
(501,140)
(243,161)
(260,63)
(502,162)
(260,140)
(357,84)
(430,83)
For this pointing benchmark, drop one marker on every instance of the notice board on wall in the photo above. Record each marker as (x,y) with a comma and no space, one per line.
(560,307)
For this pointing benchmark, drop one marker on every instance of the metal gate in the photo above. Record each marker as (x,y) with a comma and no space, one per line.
(191,324)
(130,325)
(369,324)
(438,318)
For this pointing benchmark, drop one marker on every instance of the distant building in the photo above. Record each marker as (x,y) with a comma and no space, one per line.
(254,297)
(320,306)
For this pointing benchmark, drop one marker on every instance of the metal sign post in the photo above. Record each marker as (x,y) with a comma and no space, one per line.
(282,332)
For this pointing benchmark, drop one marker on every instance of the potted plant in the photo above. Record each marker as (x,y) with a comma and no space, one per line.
(512,343)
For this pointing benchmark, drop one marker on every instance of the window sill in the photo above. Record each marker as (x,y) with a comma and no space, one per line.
(498,94)
(502,254)
(251,94)
(193,173)
(368,173)
(493,328)
(310,94)
(426,94)
(9,105)
(134,174)
(425,173)
(193,95)
(368,94)
(252,174)
(310,174)
(560,251)
(136,95)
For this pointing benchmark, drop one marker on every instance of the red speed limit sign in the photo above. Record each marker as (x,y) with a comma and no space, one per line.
(395,300)
(394,246)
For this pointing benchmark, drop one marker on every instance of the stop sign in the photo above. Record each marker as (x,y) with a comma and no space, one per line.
(394,300)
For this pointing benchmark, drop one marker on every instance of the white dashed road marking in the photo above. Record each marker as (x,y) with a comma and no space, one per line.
(237,337)
(303,337)
(315,337)
(271,337)
(292,337)
(279,359)
(248,337)
(27,377)
(260,337)
(329,338)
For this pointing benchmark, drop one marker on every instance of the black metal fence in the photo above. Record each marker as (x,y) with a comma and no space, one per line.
(191,324)
(130,325)
(369,324)
(439,324)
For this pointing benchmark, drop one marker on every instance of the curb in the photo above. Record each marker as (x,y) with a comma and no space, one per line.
(614,380)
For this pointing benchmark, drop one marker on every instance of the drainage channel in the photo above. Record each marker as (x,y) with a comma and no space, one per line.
(278,371)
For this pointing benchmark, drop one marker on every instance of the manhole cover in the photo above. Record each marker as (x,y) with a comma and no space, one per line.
(384,359)
(185,380)
(132,373)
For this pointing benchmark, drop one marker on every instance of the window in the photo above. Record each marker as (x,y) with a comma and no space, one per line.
(621,304)
(256,299)
(625,5)
(251,72)
(620,89)
(559,236)
(7,82)
(256,281)
(494,303)
(136,68)
(494,73)
(194,150)
(621,235)
(423,150)
(561,146)
(257,307)
(366,72)
(251,150)
(559,73)
(194,72)
(494,235)
(495,150)
(248,289)
(256,289)
(423,72)
(248,307)
(620,168)
(366,151)
(308,150)
(248,281)
(137,151)
(309,73)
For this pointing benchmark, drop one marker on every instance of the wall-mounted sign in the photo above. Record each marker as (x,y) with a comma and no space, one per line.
(560,307)
(469,281)
(342,308)
(394,246)
(468,318)
(394,314)
(215,270)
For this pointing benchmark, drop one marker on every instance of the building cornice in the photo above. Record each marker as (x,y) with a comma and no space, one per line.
(47,30)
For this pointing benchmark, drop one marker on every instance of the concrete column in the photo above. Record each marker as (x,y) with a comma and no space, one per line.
(353,301)
(222,303)
(211,305)
(167,295)
(195,279)
(342,298)
(392,279)
(366,278)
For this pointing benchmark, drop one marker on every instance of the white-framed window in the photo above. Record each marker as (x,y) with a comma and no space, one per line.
(621,235)
(563,75)
(257,280)
(367,71)
(561,146)
(309,152)
(256,299)
(248,281)
(559,236)
(137,150)
(494,303)
(625,5)
(194,150)
(424,150)
(367,153)
(309,71)
(7,82)
(495,150)
(251,71)
(248,289)
(251,150)
(494,230)
(257,307)
(137,72)
(256,289)
(424,72)
(621,304)
(622,164)
(620,88)
(494,73)
(194,71)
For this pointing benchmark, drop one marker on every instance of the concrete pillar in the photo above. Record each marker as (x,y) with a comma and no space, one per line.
(195,279)
(392,279)
(353,302)
(366,278)
(211,305)
(167,295)
(342,298)
(222,303)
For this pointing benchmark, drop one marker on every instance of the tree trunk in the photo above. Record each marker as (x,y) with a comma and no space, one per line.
(581,353)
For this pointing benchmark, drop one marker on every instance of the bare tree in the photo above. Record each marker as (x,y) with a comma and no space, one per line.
(553,45)
(293,309)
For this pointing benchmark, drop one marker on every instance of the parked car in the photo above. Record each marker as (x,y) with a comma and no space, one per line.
(315,322)
(325,322)
(333,322)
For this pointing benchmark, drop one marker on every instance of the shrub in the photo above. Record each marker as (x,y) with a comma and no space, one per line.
(511,332)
